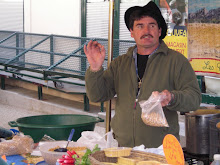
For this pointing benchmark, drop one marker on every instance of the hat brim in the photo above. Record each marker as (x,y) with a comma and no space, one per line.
(152,10)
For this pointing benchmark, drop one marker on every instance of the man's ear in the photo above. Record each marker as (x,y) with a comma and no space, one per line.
(160,31)
(131,31)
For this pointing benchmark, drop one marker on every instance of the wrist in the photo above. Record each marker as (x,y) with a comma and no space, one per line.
(94,70)
(172,99)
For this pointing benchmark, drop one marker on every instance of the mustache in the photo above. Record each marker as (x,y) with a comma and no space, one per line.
(146,35)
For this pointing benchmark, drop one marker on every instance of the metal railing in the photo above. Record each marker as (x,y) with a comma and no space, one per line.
(50,55)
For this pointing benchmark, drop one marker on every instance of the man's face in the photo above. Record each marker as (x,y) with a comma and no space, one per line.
(146,33)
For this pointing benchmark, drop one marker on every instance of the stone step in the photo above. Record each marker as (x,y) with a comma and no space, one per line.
(27,99)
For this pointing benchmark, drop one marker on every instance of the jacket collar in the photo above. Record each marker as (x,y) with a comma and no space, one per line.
(132,51)
(162,48)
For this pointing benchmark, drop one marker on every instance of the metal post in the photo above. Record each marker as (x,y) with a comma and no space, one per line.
(110,55)
(3,82)
(40,92)
(51,50)
(86,103)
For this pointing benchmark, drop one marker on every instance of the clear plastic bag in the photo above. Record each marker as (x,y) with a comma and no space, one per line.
(152,111)
(91,138)
(20,144)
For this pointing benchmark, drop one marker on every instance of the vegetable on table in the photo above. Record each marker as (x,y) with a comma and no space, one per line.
(73,159)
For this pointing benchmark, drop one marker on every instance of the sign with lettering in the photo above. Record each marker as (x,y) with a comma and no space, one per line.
(175,15)
(178,43)
(205,66)
(173,150)
(203,37)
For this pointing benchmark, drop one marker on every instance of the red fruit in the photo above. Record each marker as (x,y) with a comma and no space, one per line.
(73,153)
(66,160)
(68,157)
(69,161)
(60,160)
(69,153)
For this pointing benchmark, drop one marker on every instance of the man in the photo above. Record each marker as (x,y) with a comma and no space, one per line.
(151,65)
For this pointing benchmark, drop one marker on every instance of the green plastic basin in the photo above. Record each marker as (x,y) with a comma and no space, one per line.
(56,126)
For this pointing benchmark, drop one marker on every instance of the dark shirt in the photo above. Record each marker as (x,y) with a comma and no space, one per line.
(141,64)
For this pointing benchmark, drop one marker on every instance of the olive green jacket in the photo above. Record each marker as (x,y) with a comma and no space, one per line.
(165,69)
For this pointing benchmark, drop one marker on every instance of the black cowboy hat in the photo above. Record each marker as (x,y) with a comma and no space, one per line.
(151,10)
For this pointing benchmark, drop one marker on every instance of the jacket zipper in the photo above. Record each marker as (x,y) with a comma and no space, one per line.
(134,114)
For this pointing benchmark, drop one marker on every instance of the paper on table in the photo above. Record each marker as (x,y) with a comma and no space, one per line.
(158,150)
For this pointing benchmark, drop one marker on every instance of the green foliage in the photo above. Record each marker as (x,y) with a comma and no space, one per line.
(85,158)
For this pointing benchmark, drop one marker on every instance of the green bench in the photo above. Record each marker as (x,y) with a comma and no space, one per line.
(206,97)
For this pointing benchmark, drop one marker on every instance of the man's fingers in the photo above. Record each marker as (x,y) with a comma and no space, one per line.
(85,49)
(98,46)
(102,51)
(93,46)
(166,97)
(89,45)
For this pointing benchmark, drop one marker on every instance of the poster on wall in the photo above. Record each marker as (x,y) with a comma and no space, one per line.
(175,13)
(204,37)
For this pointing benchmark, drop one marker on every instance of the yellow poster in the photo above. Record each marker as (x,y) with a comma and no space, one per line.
(206,66)
(178,43)
(176,15)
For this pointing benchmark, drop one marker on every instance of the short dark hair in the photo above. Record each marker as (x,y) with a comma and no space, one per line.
(138,14)
(151,10)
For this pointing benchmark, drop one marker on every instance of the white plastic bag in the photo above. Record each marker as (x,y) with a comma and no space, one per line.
(111,142)
(152,111)
(91,138)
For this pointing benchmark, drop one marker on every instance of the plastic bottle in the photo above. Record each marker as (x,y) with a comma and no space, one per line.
(216,160)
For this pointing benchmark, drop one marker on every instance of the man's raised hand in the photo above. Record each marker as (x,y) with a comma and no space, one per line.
(95,53)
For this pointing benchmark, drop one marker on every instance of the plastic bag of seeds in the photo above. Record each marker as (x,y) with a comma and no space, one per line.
(152,111)
(19,144)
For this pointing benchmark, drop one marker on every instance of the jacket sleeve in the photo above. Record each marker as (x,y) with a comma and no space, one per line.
(187,94)
(100,84)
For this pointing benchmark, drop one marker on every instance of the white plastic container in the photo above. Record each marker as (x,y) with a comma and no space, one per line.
(216,160)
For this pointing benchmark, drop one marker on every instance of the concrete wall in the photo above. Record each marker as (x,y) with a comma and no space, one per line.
(62,17)
(51,92)
(47,91)
(11,15)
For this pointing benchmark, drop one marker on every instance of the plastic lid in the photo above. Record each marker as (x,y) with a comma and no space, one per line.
(217,157)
